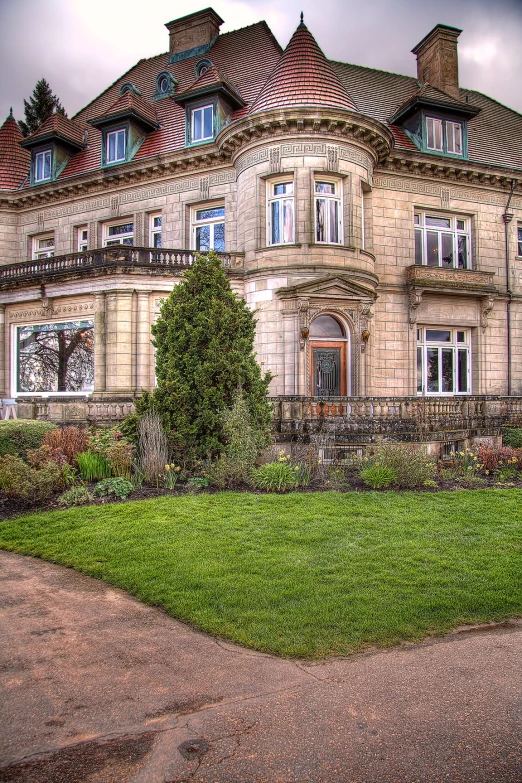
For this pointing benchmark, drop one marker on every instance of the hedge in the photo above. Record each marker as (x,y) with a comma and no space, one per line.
(18,435)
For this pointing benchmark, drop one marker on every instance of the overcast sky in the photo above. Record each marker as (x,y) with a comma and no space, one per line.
(82,46)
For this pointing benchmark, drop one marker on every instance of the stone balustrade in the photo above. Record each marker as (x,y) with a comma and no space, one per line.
(447,278)
(122,257)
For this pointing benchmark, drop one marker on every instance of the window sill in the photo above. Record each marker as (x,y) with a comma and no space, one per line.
(282,246)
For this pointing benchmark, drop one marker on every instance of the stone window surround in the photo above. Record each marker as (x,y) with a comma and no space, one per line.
(217,203)
(37,252)
(271,198)
(335,197)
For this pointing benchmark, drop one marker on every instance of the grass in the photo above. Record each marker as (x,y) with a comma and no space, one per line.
(306,575)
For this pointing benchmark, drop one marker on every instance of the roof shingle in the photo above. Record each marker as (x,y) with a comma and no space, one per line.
(57,125)
(14,160)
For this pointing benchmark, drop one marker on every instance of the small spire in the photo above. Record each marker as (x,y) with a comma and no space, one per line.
(10,113)
(302,24)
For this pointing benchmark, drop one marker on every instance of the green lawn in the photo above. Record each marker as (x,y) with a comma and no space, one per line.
(309,575)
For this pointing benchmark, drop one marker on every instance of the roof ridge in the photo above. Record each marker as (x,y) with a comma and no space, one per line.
(377,70)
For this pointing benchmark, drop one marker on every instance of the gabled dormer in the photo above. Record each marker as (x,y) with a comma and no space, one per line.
(435,117)
(125,126)
(209,104)
(52,145)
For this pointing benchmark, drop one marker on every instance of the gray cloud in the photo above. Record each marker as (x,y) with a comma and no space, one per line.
(81,47)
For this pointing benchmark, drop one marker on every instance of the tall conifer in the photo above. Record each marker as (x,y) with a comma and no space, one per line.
(39,107)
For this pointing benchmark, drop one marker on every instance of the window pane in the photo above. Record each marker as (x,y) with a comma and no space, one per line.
(419,369)
(203,238)
(284,189)
(208,122)
(416,220)
(520,241)
(334,220)
(418,247)
(432,249)
(197,125)
(447,369)
(121,144)
(462,241)
(157,222)
(288,220)
(111,154)
(462,371)
(156,239)
(124,228)
(461,225)
(325,187)
(320,215)
(276,233)
(56,357)
(209,214)
(440,222)
(47,165)
(432,369)
(447,249)
(457,138)
(438,335)
(219,237)
(434,133)
(127,241)
(325,326)
(438,134)
(461,337)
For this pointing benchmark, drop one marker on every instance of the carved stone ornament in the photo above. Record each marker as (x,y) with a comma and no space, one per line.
(415,298)
(487,306)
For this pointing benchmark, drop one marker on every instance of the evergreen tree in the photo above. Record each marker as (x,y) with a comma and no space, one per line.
(39,107)
(204,340)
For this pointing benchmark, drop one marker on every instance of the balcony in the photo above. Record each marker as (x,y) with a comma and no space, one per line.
(118,258)
(450,281)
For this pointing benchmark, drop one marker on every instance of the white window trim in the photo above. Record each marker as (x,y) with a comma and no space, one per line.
(434,122)
(453,230)
(194,224)
(447,130)
(40,154)
(82,244)
(44,252)
(280,197)
(337,196)
(115,132)
(454,346)
(111,241)
(192,118)
(153,230)
(14,362)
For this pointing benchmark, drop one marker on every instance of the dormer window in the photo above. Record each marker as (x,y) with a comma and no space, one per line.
(202,123)
(115,146)
(42,166)
(202,67)
(165,85)
(444,136)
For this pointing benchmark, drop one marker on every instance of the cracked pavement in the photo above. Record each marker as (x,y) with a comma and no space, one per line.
(98,688)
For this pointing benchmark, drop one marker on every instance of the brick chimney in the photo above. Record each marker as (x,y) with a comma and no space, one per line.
(437,59)
(193,31)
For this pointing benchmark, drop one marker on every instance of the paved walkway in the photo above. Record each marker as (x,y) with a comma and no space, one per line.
(97,688)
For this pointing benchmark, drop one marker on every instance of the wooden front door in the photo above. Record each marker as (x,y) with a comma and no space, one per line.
(328,369)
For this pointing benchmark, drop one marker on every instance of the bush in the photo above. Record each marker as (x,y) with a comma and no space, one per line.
(243,444)
(119,487)
(75,496)
(39,458)
(119,455)
(492,459)
(378,476)
(19,480)
(18,435)
(93,466)
(71,441)
(153,453)
(410,466)
(512,436)
(275,476)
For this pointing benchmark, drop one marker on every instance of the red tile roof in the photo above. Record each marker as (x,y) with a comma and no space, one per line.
(208,81)
(14,160)
(58,126)
(303,77)
(128,103)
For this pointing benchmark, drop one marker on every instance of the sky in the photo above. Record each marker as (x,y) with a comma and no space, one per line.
(82,46)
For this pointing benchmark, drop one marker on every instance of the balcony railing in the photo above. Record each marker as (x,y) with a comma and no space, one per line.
(447,279)
(116,257)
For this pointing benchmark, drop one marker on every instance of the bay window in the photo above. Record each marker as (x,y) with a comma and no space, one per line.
(328,213)
(280,213)
(441,240)
(54,357)
(208,229)
(443,361)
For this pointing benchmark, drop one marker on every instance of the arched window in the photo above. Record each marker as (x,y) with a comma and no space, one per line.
(324,327)
(202,66)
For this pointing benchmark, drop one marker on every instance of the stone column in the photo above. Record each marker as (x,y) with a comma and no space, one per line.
(4,356)
(100,337)
(143,344)
(119,380)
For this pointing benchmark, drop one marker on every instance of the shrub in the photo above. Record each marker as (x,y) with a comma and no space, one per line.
(153,453)
(378,476)
(198,482)
(410,465)
(243,444)
(119,487)
(19,480)
(275,476)
(39,458)
(119,455)
(71,441)
(75,496)
(18,435)
(512,436)
(491,459)
(93,466)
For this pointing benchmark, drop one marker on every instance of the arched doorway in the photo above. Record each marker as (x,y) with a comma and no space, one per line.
(329,357)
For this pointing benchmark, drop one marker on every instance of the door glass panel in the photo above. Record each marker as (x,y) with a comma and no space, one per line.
(219,237)
(463,251)
(276,233)
(325,326)
(419,369)
(432,369)
(334,221)
(288,220)
(320,215)
(462,371)
(447,369)
(432,248)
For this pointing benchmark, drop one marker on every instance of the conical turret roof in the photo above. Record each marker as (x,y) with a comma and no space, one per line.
(303,77)
(14,161)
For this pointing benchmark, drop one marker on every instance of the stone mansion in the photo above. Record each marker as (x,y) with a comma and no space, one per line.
(374,221)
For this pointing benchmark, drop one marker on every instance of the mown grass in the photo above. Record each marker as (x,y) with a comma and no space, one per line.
(306,575)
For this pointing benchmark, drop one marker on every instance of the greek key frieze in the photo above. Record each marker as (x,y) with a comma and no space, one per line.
(354,156)
(8,220)
(407,185)
(257,156)
(67,209)
(222,178)
(303,148)
(164,189)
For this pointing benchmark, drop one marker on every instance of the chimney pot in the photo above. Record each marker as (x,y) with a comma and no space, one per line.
(437,59)
(192,31)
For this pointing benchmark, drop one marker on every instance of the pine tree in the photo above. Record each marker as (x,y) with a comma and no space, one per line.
(39,107)
(204,340)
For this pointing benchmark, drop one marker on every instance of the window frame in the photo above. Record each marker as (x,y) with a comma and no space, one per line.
(456,232)
(519,241)
(36,155)
(111,240)
(39,253)
(15,361)
(211,222)
(192,112)
(336,197)
(454,345)
(155,230)
(279,199)
(82,243)
(112,132)
(446,126)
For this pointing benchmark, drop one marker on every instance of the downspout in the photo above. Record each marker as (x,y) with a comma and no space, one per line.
(508,217)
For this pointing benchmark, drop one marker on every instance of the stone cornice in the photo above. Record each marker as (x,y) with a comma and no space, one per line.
(371,135)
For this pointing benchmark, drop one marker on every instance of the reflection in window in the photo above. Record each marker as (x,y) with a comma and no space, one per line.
(442,241)
(56,357)
(327,212)
(208,230)
(280,214)
(443,361)
(325,327)
(120,234)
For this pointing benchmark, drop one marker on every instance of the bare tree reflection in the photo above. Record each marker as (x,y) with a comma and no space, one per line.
(56,357)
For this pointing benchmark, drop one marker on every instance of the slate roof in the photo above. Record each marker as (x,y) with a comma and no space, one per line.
(57,126)
(14,160)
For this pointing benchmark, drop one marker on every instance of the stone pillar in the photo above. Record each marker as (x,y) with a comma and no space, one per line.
(100,337)
(143,344)
(119,376)
(4,356)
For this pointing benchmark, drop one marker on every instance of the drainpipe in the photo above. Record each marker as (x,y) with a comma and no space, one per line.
(507,218)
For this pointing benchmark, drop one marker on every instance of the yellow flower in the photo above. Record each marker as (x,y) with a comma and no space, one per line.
(470,467)
(177,467)
(296,467)
(487,472)
(167,467)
